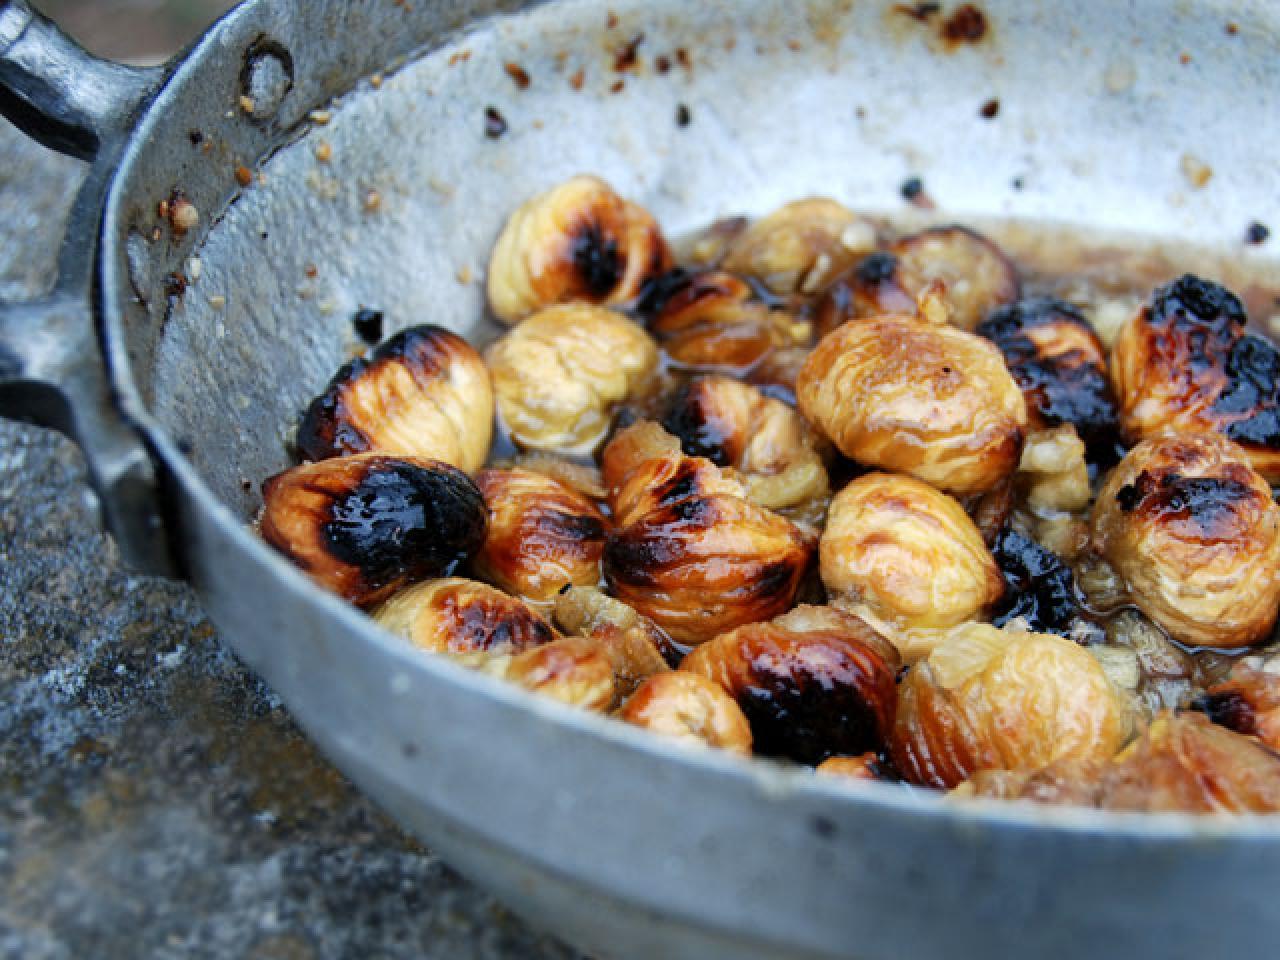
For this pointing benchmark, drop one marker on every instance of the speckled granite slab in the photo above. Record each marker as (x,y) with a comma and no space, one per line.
(155,799)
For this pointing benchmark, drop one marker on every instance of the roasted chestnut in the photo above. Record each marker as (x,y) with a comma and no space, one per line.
(690,550)
(543,535)
(1058,361)
(972,273)
(1194,531)
(1053,470)
(365,525)
(1184,364)
(932,401)
(579,242)
(634,645)
(812,683)
(690,708)
(768,445)
(559,374)
(463,617)
(1247,701)
(423,393)
(799,247)
(993,699)
(712,321)
(573,670)
(908,552)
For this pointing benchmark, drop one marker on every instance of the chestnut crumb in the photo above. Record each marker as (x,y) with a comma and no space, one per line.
(628,57)
(578,78)
(967,24)
(368,325)
(920,12)
(684,117)
(495,124)
(991,109)
(519,76)
(662,63)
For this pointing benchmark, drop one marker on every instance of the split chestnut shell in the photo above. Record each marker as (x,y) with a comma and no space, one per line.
(925,399)
(578,242)
(424,393)
(364,526)
(1195,533)
(812,683)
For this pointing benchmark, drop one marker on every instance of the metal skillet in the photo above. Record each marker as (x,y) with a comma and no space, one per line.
(180,358)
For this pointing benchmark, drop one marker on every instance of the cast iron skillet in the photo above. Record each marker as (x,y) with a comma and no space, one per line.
(182,382)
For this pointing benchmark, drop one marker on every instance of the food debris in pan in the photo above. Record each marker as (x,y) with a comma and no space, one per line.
(891,506)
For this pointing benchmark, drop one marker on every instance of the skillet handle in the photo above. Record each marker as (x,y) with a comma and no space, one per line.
(52,367)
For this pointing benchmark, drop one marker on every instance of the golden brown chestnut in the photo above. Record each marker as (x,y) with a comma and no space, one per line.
(1195,532)
(579,242)
(812,683)
(365,525)
(542,535)
(463,617)
(971,273)
(908,552)
(573,670)
(932,401)
(800,246)
(1058,361)
(1247,701)
(712,321)
(423,393)
(690,708)
(992,699)
(768,445)
(1053,470)
(863,767)
(1184,364)
(689,549)
(560,373)
(634,645)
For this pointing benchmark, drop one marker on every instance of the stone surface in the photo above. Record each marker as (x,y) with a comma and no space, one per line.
(155,798)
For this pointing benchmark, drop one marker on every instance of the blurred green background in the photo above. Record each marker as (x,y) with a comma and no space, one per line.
(134,29)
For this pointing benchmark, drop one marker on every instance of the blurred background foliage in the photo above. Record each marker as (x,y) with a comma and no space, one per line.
(139,30)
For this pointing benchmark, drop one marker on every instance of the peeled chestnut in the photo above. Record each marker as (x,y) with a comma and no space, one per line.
(1184,364)
(1059,363)
(573,670)
(908,552)
(992,699)
(972,273)
(579,242)
(691,708)
(1053,470)
(689,549)
(463,617)
(768,445)
(800,246)
(812,683)
(365,525)
(932,401)
(559,374)
(712,321)
(543,535)
(634,645)
(423,393)
(1194,531)
(1247,701)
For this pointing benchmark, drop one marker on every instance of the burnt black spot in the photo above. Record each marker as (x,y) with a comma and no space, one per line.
(574,527)
(658,291)
(967,24)
(1230,709)
(823,826)
(403,520)
(495,124)
(1070,387)
(1128,497)
(683,116)
(1253,388)
(1256,233)
(682,484)
(368,325)
(877,268)
(1191,302)
(807,718)
(912,187)
(699,437)
(640,556)
(918,11)
(1210,503)
(990,110)
(597,260)
(196,138)
(1039,585)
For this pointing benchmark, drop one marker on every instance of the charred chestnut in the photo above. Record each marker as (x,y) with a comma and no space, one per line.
(423,393)
(559,374)
(1059,363)
(689,707)
(1041,590)
(1194,531)
(992,699)
(579,242)
(768,444)
(907,552)
(812,683)
(542,535)
(1185,364)
(363,526)
(689,549)
(799,247)
(928,400)
(712,321)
